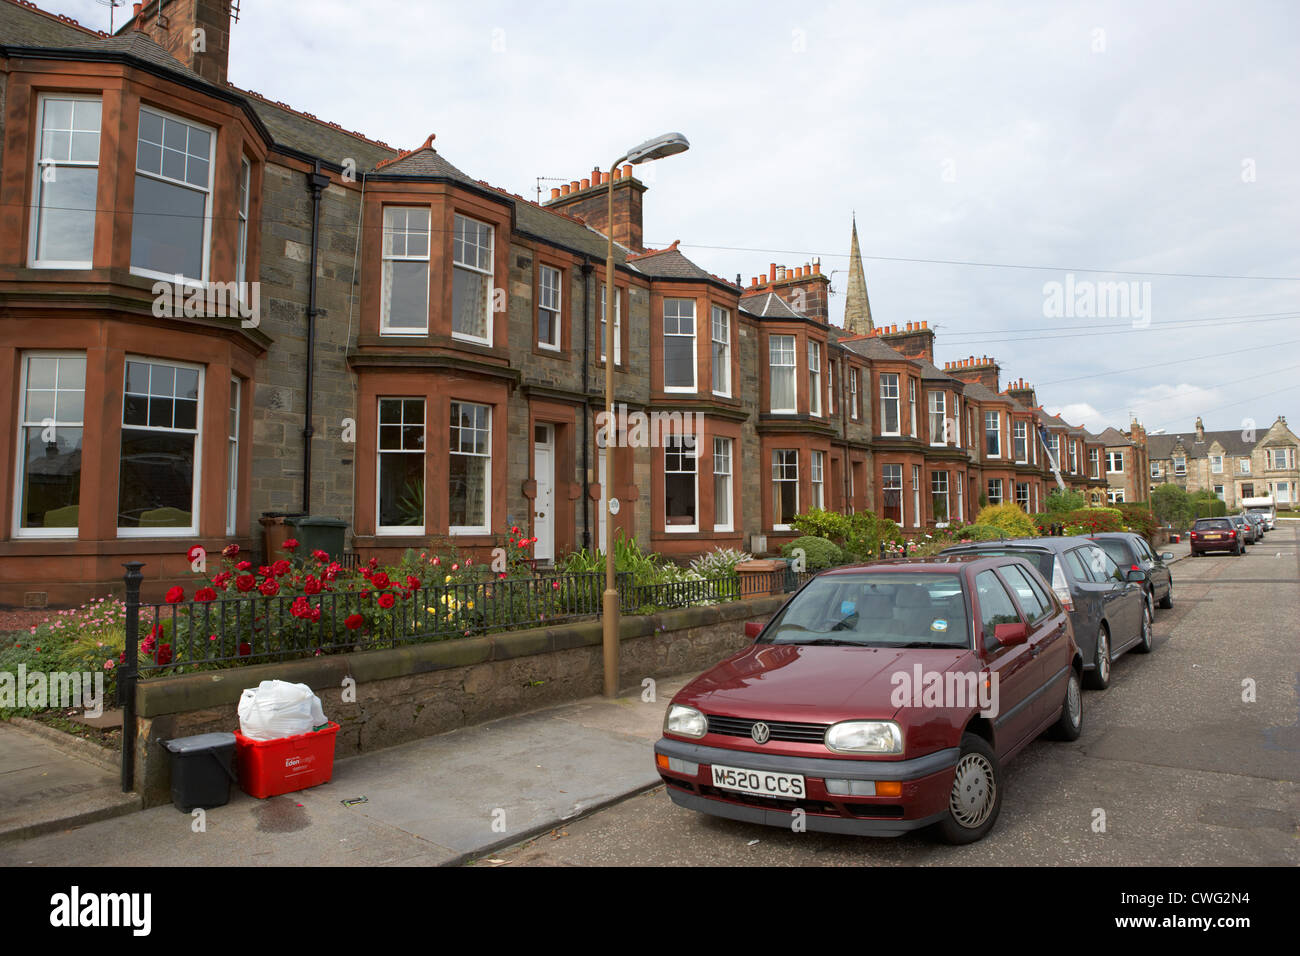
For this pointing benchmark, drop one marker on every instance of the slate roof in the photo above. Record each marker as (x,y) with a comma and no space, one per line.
(873,348)
(767,305)
(1113,436)
(671,264)
(1162,446)
(982,393)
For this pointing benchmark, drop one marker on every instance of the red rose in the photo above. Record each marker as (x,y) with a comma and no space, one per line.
(300,607)
(244,566)
(412,582)
(164,655)
(148,644)
(270,587)
(221,580)
(311,585)
(230,550)
(514,529)
(245,649)
(175,594)
(353,621)
(245,582)
(280,567)
(315,615)
(264,570)
(205,595)
(379,579)
(386,600)
(290,544)
(365,592)
(372,563)
(321,556)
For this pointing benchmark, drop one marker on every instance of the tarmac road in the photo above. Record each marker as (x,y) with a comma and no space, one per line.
(1186,772)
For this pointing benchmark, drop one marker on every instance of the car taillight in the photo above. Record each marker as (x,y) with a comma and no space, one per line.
(1232,534)
(1060,585)
(1135,568)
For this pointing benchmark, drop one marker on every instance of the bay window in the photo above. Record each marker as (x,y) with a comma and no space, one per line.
(400,488)
(937,408)
(65,183)
(471,281)
(721,352)
(891,484)
(51,423)
(819,479)
(911,402)
(470,468)
(618,325)
(171,227)
(679,345)
(888,403)
(939,496)
(780,349)
(993,434)
(785,488)
(681,489)
(1022,494)
(722,503)
(815,379)
(995,491)
(404,305)
(1021,441)
(161,411)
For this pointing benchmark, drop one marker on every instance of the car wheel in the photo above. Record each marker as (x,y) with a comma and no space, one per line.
(1071,723)
(1099,677)
(1144,645)
(1167,601)
(976,794)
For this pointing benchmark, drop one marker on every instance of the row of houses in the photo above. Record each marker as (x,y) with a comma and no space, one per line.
(215,306)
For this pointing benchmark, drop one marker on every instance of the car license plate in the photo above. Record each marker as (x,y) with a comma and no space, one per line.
(763,783)
(1213,537)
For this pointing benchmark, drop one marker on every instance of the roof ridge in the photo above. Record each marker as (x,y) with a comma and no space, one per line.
(60,17)
(655,252)
(285,106)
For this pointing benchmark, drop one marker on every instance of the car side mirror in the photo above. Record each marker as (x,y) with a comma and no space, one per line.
(1009,635)
(1136,575)
(1167,556)
(753,628)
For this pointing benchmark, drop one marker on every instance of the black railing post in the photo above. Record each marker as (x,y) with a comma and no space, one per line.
(126,675)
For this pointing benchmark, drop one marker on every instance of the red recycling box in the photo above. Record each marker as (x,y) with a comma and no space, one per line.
(268,768)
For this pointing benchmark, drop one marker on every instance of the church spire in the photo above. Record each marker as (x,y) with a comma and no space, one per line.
(857,307)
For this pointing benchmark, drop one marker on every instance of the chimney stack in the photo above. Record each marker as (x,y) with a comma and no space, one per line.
(197,34)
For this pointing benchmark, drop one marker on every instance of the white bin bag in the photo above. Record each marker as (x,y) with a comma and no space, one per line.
(276,708)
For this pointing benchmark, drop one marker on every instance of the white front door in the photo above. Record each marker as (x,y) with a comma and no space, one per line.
(544,503)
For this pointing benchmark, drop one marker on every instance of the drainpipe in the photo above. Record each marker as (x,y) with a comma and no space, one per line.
(586,401)
(316,183)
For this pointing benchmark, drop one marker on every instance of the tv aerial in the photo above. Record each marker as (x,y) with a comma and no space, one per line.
(112,9)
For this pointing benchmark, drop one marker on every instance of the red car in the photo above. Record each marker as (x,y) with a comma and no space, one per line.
(880,699)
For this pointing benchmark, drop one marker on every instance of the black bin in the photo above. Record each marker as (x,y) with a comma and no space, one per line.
(201,770)
(318,534)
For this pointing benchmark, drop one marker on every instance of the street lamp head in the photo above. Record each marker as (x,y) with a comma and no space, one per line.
(669,144)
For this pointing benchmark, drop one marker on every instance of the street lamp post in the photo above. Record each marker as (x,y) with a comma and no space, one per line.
(668,144)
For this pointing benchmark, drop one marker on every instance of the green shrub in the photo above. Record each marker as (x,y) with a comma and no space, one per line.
(1138,517)
(1010,518)
(819,553)
(823,524)
(1172,506)
(1060,501)
(985,532)
(719,563)
(1090,521)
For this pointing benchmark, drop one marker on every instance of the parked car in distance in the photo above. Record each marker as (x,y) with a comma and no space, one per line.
(824,712)
(1265,507)
(1130,550)
(1107,607)
(1258,523)
(1245,530)
(1215,534)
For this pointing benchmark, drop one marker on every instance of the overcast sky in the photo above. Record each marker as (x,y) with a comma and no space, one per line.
(1148,138)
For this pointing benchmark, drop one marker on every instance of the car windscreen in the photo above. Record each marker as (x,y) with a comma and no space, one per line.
(1042,560)
(912,609)
(1212,524)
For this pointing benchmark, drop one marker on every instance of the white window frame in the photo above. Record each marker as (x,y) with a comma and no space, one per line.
(1156,469)
(830,386)
(232,463)
(207,207)
(1243,466)
(886,387)
(486,526)
(1111,457)
(777,348)
(988,487)
(995,429)
(21,457)
(1218,492)
(817,477)
(677,444)
(193,529)
(888,473)
(241,242)
(960,482)
(793,465)
(721,351)
(938,407)
(853,393)
(1020,441)
(1074,456)
(474,267)
(1115,495)
(911,402)
(916,496)
(1216,464)
(939,491)
(814,379)
(695,354)
(618,325)
(399,529)
(723,471)
(385,313)
(550,298)
(1016,486)
(1180,466)
(38,180)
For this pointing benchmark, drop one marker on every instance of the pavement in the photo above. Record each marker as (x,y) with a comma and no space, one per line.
(441,801)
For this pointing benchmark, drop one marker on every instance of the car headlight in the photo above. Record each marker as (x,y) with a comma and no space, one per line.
(865,737)
(686,721)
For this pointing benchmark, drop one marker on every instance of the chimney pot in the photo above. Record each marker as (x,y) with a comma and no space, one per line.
(627,171)
(573,186)
(771,272)
(564,190)
(555,192)
(817,267)
(586,184)
(925,323)
(595,175)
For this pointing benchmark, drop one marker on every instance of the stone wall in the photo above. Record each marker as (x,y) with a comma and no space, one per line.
(425,689)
